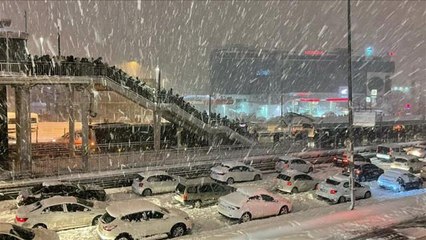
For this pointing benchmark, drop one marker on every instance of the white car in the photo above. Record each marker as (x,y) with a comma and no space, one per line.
(293,181)
(248,203)
(337,190)
(14,232)
(234,171)
(152,182)
(293,163)
(418,151)
(59,213)
(138,218)
(408,163)
(399,180)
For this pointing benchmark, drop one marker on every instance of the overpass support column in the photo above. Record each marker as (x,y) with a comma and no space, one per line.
(179,137)
(23,127)
(157,130)
(85,115)
(4,144)
(71,121)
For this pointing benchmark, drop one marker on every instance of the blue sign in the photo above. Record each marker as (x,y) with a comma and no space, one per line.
(369,51)
(263,73)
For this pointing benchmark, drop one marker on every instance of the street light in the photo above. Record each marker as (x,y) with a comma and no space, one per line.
(41,46)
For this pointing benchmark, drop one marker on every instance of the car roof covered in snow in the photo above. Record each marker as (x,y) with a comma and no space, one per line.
(288,157)
(292,172)
(152,173)
(340,178)
(404,156)
(232,164)
(252,190)
(123,208)
(58,200)
(395,172)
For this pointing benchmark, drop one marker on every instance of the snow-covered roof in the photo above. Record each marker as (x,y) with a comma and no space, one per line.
(232,164)
(288,157)
(340,177)
(292,172)
(123,208)
(58,200)
(251,190)
(152,173)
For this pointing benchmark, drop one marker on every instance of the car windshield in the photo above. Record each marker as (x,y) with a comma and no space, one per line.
(36,205)
(383,150)
(332,182)
(36,189)
(180,188)
(140,178)
(224,165)
(164,210)
(22,232)
(106,218)
(284,177)
(400,160)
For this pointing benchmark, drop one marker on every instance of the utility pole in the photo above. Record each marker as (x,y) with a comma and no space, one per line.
(156,113)
(26,21)
(350,148)
(59,42)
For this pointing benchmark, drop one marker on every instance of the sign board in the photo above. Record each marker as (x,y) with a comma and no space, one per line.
(364,119)
(368,99)
(373,92)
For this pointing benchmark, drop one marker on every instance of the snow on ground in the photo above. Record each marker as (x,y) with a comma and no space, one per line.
(207,218)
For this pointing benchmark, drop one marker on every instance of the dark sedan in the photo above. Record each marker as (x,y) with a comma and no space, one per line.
(365,171)
(46,190)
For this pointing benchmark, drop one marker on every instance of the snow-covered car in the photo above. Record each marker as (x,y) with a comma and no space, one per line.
(249,203)
(399,180)
(337,190)
(14,232)
(408,163)
(137,218)
(153,182)
(56,188)
(59,213)
(200,191)
(418,151)
(364,171)
(386,152)
(293,181)
(293,163)
(234,171)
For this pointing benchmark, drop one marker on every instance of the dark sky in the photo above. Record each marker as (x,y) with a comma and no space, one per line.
(179,35)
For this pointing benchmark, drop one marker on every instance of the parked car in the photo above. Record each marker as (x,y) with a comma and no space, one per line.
(153,182)
(137,218)
(365,171)
(293,181)
(14,232)
(249,203)
(50,189)
(234,171)
(399,180)
(336,189)
(385,152)
(408,163)
(200,191)
(418,151)
(59,213)
(293,163)
(343,161)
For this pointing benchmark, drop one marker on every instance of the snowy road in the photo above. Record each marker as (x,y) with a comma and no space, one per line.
(207,219)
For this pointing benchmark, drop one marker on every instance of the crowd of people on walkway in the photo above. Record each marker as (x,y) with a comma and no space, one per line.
(73,66)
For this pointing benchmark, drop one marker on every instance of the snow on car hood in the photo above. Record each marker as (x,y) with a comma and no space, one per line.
(234,199)
(220,169)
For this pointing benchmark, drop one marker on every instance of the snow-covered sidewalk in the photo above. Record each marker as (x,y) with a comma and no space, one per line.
(331,222)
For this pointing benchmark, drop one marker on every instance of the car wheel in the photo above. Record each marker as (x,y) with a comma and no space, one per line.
(178,230)
(123,236)
(411,170)
(363,179)
(257,178)
(367,194)
(40,225)
(96,220)
(246,217)
(147,192)
(230,181)
(294,190)
(197,204)
(341,200)
(283,210)
(310,169)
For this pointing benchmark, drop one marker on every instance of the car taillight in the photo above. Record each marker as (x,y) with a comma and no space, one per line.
(185,197)
(109,227)
(332,191)
(140,184)
(21,220)
(289,183)
(357,171)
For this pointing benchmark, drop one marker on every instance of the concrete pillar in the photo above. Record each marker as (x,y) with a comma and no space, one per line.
(71,121)
(179,137)
(157,130)
(23,127)
(4,146)
(85,108)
